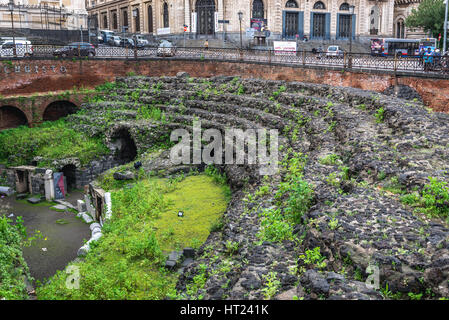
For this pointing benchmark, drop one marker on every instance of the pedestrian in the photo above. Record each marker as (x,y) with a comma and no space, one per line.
(428,59)
(206,44)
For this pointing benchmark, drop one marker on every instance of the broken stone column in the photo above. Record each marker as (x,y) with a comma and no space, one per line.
(108,204)
(49,185)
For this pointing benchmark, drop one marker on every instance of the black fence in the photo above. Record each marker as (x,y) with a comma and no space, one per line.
(355,61)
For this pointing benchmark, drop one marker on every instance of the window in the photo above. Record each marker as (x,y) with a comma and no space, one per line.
(291,4)
(105,21)
(150,19)
(166,23)
(258,9)
(114,20)
(137,19)
(125,18)
(319,5)
(344,6)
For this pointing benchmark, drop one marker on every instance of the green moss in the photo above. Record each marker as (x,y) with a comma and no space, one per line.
(51,141)
(202,201)
(126,263)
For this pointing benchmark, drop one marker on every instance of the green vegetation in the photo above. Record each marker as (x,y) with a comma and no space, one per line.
(331,159)
(314,258)
(294,198)
(13,267)
(433,199)
(272,285)
(380,115)
(50,140)
(127,262)
(429,16)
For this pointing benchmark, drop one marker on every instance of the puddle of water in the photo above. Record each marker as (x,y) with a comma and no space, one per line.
(62,240)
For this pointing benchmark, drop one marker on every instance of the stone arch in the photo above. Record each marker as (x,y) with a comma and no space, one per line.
(258,9)
(374,17)
(399,27)
(12,117)
(344,6)
(69,172)
(319,5)
(122,142)
(205,10)
(165,15)
(58,109)
(292,4)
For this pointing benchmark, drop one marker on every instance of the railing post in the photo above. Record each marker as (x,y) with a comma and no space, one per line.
(269,55)
(395,66)
(345,57)
(303,57)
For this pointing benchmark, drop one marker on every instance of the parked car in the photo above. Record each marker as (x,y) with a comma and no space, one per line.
(76,49)
(166,49)
(114,41)
(334,52)
(141,41)
(127,43)
(105,35)
(24,48)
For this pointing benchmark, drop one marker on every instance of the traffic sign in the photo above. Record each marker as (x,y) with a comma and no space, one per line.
(223,21)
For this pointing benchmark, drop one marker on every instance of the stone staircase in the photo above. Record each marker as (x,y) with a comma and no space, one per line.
(313,120)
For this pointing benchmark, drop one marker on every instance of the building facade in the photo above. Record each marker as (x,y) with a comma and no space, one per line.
(44,14)
(286,19)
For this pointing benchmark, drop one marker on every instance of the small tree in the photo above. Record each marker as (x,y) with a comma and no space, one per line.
(429,16)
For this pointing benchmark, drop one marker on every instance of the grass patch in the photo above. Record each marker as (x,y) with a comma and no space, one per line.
(51,141)
(127,262)
(13,267)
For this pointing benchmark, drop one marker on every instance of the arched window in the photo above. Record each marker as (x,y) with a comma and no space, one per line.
(137,19)
(150,19)
(344,6)
(125,18)
(291,4)
(400,29)
(258,9)
(114,21)
(319,5)
(166,23)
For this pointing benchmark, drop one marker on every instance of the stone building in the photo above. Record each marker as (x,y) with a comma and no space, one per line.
(402,9)
(44,14)
(287,19)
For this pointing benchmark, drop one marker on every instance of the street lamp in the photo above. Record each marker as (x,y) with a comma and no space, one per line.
(11,9)
(446,2)
(240,13)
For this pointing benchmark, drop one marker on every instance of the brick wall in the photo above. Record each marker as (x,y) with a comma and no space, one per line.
(64,75)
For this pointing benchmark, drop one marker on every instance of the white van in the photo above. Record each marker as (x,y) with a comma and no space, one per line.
(24,48)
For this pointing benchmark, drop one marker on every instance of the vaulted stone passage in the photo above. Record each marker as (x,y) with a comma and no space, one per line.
(58,109)
(124,144)
(69,172)
(11,117)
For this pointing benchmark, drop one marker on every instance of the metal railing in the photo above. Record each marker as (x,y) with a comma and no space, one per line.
(356,61)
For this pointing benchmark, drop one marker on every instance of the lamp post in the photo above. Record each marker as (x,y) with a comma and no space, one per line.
(11,9)
(351,13)
(445,27)
(240,13)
